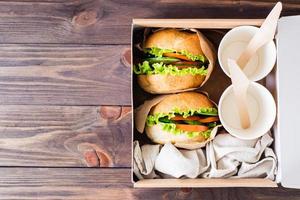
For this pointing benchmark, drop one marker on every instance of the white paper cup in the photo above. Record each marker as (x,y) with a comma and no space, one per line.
(235,41)
(262,111)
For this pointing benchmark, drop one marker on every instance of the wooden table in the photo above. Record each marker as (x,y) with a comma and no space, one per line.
(65,126)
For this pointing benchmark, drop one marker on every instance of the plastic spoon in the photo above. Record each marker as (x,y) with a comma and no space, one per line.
(264,34)
(240,86)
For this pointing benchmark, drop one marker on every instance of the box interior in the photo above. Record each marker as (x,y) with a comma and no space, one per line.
(215,86)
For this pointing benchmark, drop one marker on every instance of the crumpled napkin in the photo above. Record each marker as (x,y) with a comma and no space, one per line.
(224,157)
(230,156)
(177,163)
(143,160)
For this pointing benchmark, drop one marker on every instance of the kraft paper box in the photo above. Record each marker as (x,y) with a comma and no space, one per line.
(282,82)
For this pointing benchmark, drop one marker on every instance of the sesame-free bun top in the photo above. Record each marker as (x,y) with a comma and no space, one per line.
(192,41)
(176,40)
(183,101)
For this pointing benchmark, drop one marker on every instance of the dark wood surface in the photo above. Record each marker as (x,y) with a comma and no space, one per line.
(65,136)
(108,183)
(62,74)
(65,115)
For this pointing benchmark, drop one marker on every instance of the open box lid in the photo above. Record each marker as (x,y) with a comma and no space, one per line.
(288,66)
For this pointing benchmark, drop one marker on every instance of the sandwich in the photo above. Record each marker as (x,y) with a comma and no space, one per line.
(185,118)
(174,60)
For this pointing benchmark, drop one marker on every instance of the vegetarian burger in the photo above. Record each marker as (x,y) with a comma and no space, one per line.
(174,60)
(186,118)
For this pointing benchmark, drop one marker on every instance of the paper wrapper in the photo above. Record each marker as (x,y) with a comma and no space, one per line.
(143,110)
(208,51)
(225,157)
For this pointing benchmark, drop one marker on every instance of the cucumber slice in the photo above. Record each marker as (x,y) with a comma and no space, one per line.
(192,122)
(166,60)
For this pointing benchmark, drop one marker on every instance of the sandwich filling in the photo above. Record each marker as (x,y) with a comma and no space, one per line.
(171,62)
(193,123)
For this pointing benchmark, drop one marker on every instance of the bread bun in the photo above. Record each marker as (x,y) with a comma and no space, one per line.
(160,84)
(183,101)
(177,40)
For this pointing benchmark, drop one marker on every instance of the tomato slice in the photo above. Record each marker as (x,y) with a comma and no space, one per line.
(179,117)
(176,55)
(209,119)
(192,128)
(196,118)
(184,66)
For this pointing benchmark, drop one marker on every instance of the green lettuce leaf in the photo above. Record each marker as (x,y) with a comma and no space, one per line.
(205,134)
(171,128)
(167,125)
(193,57)
(158,52)
(155,119)
(164,69)
(201,111)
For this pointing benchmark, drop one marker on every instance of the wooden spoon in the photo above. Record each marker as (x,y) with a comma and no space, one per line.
(264,34)
(240,85)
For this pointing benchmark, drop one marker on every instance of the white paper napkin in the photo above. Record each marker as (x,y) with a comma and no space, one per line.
(144,158)
(227,153)
(225,156)
(177,163)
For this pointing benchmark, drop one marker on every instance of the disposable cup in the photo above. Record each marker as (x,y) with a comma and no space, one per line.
(233,44)
(261,107)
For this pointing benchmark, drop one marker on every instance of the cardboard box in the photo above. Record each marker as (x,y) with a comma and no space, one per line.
(285,145)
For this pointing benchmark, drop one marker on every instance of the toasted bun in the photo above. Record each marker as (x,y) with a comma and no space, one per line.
(175,39)
(183,101)
(160,84)
(158,135)
(193,42)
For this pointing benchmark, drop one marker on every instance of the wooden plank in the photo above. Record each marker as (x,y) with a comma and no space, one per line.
(64,183)
(197,23)
(79,183)
(69,136)
(108,22)
(63,75)
(200,183)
